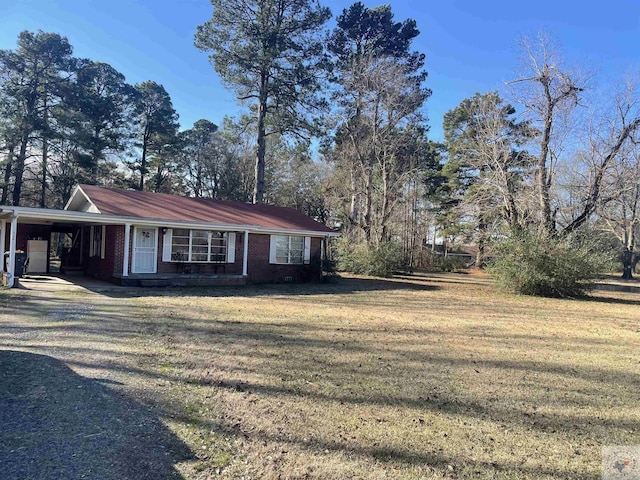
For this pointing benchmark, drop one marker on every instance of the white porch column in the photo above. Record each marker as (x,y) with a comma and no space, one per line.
(3,240)
(12,251)
(127,241)
(245,253)
(321,257)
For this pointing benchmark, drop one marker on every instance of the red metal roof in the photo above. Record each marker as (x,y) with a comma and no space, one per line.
(162,206)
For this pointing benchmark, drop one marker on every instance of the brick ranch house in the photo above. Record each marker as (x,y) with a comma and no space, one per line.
(139,238)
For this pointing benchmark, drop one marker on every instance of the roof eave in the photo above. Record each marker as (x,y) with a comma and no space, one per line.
(106,219)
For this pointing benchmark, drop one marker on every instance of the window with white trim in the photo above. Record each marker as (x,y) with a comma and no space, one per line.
(289,249)
(198,246)
(97,241)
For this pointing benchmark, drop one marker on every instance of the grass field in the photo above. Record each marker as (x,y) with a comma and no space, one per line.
(438,376)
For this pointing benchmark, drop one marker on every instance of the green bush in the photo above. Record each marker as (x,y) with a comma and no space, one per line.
(449,264)
(548,268)
(364,259)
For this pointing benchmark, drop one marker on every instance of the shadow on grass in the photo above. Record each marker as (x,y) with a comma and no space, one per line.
(376,453)
(57,424)
(611,300)
(338,285)
(334,287)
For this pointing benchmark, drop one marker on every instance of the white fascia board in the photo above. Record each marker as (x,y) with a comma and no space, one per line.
(283,231)
(26,213)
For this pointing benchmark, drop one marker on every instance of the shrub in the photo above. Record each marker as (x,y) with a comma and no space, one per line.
(364,259)
(449,264)
(548,268)
(320,269)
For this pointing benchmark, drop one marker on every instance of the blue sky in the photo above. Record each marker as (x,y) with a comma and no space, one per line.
(470,45)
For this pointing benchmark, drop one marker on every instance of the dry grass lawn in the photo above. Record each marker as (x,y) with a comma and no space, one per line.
(438,376)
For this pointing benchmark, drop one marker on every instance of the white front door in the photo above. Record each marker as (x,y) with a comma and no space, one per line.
(145,250)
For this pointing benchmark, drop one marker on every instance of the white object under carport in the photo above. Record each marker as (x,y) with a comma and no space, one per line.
(37,255)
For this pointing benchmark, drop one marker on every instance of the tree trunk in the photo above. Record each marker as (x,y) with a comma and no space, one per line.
(353,209)
(143,163)
(366,223)
(7,175)
(45,151)
(159,180)
(45,167)
(542,178)
(627,264)
(95,155)
(384,218)
(480,254)
(258,191)
(19,170)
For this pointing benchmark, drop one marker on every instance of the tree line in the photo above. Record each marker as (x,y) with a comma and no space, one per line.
(335,126)
(67,120)
(563,169)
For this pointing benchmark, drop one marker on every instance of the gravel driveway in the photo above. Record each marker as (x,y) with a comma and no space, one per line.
(57,424)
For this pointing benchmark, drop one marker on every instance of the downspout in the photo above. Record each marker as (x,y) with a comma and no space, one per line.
(3,242)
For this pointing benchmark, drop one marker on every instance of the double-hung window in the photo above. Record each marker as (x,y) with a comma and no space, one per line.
(289,249)
(198,246)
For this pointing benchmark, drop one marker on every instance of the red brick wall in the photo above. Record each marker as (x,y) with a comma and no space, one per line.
(260,270)
(103,268)
(117,247)
(107,265)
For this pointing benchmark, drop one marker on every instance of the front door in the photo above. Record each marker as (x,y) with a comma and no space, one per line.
(145,250)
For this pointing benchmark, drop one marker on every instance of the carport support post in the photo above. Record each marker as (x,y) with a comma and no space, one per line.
(3,240)
(127,241)
(12,250)
(322,247)
(245,253)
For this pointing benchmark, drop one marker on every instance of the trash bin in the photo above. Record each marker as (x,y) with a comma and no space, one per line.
(21,259)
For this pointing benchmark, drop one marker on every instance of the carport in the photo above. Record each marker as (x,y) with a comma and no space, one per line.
(29,230)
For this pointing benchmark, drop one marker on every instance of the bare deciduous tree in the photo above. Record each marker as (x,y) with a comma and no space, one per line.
(492,171)
(550,92)
(619,208)
(381,136)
